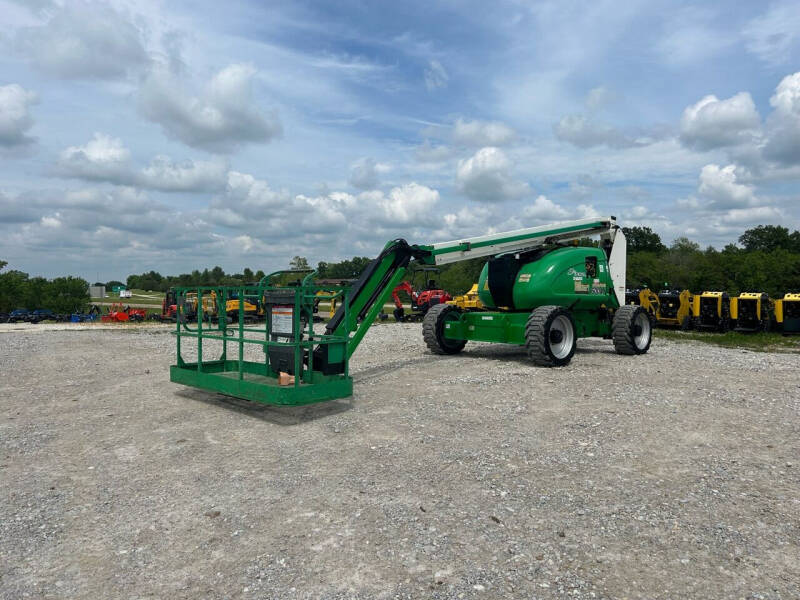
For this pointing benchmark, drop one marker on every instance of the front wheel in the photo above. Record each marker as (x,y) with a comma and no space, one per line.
(433,326)
(550,337)
(631,330)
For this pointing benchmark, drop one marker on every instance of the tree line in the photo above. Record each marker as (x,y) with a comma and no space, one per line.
(156,282)
(766,259)
(61,295)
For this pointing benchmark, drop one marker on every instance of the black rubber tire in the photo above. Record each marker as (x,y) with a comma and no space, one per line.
(398,314)
(623,331)
(537,336)
(433,330)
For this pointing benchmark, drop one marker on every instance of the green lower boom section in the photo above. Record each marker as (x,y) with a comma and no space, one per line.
(256,384)
(509,327)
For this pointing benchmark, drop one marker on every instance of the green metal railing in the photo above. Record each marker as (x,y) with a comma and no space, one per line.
(202,314)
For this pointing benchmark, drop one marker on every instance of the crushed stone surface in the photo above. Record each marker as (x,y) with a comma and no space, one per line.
(670,475)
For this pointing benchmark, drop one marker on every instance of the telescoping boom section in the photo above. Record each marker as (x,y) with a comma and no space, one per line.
(539,289)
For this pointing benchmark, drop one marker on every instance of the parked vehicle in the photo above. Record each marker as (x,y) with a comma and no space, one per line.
(20,314)
(43,314)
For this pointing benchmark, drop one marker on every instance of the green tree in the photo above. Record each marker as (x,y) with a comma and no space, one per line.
(643,239)
(217,274)
(67,295)
(13,290)
(298,262)
(766,238)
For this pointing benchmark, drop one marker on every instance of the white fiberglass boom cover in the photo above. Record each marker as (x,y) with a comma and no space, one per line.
(617,264)
(524,239)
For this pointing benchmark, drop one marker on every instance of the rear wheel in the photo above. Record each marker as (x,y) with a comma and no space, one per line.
(631,330)
(433,327)
(550,337)
(399,313)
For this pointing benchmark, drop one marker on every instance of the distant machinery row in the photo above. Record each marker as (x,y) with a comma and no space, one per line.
(719,311)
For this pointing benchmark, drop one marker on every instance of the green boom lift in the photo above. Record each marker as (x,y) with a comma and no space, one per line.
(540,290)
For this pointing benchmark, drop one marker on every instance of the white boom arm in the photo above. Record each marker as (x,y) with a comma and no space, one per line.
(527,239)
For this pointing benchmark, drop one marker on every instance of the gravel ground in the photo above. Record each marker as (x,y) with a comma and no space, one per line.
(670,475)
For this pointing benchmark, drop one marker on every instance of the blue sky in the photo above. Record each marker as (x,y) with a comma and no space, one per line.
(179,135)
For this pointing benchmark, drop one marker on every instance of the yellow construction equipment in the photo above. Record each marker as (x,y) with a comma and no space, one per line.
(209,306)
(674,308)
(751,312)
(644,298)
(331,296)
(253,307)
(469,301)
(712,310)
(787,314)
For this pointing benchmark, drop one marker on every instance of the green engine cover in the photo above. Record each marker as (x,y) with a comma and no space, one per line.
(574,276)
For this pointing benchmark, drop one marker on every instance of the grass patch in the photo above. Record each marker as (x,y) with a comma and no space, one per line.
(759,342)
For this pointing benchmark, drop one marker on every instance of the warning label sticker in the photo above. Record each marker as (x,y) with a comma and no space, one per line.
(524,278)
(282,319)
(581,288)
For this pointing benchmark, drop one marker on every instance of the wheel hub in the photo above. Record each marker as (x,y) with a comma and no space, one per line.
(556,336)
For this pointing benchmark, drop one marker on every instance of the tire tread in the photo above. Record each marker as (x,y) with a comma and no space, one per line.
(431,326)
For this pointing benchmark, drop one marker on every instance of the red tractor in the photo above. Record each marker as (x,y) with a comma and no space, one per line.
(421,301)
(118,314)
(169,308)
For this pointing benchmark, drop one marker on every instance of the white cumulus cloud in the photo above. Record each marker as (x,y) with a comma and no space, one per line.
(365,173)
(15,116)
(84,40)
(482,133)
(783,124)
(486,177)
(105,158)
(586,132)
(544,209)
(719,185)
(713,123)
(221,118)
(408,204)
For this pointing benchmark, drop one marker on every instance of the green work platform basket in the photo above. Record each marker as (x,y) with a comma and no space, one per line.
(278,320)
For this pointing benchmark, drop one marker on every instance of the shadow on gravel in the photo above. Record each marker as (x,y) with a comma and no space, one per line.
(517,354)
(380,370)
(278,415)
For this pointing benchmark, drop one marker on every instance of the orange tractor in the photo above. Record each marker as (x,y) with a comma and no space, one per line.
(118,314)
(421,301)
